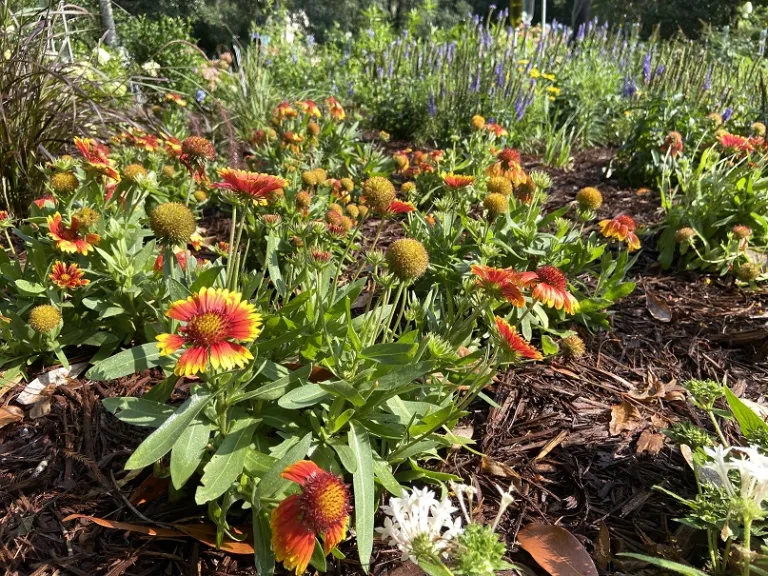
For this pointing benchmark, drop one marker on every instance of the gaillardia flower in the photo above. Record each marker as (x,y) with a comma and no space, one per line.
(673,144)
(748,272)
(69,239)
(134,172)
(496,204)
(44,318)
(407,259)
(513,344)
(97,158)
(457,181)
(734,144)
(321,509)
(508,164)
(250,184)
(589,198)
(173,223)
(66,276)
(64,182)
(551,288)
(379,193)
(621,228)
(400,207)
(685,234)
(215,321)
(309,107)
(499,185)
(572,346)
(500,283)
(478,122)
(334,108)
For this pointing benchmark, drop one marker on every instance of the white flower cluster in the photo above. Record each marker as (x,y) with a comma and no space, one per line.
(420,518)
(294,23)
(752,469)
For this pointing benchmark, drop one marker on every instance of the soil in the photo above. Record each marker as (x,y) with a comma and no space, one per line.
(551,435)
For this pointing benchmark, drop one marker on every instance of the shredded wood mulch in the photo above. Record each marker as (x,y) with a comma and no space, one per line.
(581,440)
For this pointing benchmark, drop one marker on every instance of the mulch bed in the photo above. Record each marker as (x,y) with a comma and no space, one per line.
(552,434)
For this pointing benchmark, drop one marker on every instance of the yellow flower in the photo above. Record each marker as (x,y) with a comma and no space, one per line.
(553,90)
(535,73)
(522,62)
(550,77)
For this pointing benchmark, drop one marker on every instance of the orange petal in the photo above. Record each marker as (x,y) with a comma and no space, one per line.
(300,471)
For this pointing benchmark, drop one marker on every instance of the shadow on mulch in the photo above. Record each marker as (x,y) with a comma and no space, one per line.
(552,434)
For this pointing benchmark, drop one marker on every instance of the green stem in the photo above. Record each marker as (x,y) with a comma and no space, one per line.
(717,427)
(726,554)
(747,545)
(398,296)
(10,244)
(231,242)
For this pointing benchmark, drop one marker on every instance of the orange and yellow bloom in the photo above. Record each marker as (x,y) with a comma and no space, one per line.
(67,277)
(500,283)
(335,109)
(457,181)
(96,157)
(69,239)
(321,509)
(309,107)
(551,288)
(251,184)
(621,228)
(514,344)
(215,321)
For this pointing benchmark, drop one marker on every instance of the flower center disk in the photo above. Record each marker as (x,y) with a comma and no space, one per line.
(207,329)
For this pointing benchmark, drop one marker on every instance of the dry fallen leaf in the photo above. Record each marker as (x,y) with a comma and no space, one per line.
(649,443)
(501,470)
(658,308)
(150,489)
(624,417)
(556,550)
(603,547)
(41,388)
(10,414)
(205,533)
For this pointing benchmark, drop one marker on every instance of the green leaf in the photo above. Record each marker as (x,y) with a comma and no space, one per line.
(206,278)
(161,392)
(278,388)
(434,567)
(271,483)
(318,558)
(405,375)
(227,464)
(749,422)
(31,288)
(138,411)
(363,483)
(303,396)
(160,442)
(126,362)
(257,463)
(619,291)
(263,556)
(666,564)
(385,477)
(345,390)
(177,290)
(393,353)
(549,346)
(346,456)
(188,451)
(273,264)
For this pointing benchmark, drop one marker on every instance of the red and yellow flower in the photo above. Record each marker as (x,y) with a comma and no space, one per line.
(148,142)
(173,147)
(673,144)
(43,200)
(69,239)
(68,277)
(321,509)
(496,129)
(514,344)
(176,99)
(500,283)
(400,207)
(457,181)
(335,109)
(734,144)
(621,228)
(96,157)
(309,107)
(508,164)
(550,287)
(284,110)
(252,184)
(215,321)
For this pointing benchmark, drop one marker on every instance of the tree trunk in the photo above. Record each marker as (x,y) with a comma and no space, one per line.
(108,23)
